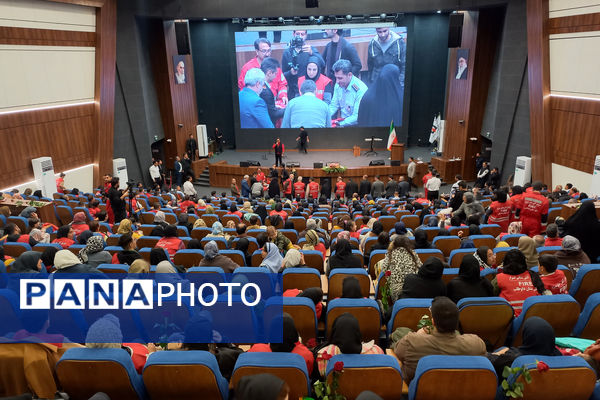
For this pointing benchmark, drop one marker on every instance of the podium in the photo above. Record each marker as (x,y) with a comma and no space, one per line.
(397,152)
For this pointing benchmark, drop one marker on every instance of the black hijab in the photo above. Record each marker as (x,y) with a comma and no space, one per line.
(262,213)
(584,225)
(351,288)
(469,269)
(421,241)
(259,387)
(377,228)
(345,334)
(432,268)
(194,244)
(26,263)
(84,236)
(343,257)
(290,336)
(538,338)
(382,103)
(48,256)
(157,255)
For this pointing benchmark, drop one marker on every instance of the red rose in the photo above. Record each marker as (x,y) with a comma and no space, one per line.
(388,273)
(326,356)
(311,343)
(338,366)
(542,366)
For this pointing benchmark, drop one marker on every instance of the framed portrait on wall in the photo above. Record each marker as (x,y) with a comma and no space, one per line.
(179,69)
(462,61)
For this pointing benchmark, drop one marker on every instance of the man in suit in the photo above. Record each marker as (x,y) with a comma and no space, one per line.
(403,187)
(253,109)
(351,188)
(365,186)
(191,147)
(377,188)
(391,187)
(270,66)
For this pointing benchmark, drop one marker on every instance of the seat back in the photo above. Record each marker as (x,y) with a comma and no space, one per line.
(375,257)
(408,313)
(559,310)
(210,219)
(83,372)
(457,255)
(231,217)
(299,223)
(235,255)
(483,240)
(289,367)
(410,221)
(424,254)
(548,250)
(487,317)
(199,233)
(553,213)
(388,222)
(366,312)
(302,310)
(513,239)
(220,241)
(568,378)
(490,229)
(436,378)
(188,257)
(291,234)
(586,282)
(113,240)
(500,252)
(446,244)
(65,214)
(369,242)
(455,229)
(378,373)
(184,374)
(588,324)
(113,268)
(147,241)
(301,278)
(431,231)
(336,279)
(313,259)
(15,249)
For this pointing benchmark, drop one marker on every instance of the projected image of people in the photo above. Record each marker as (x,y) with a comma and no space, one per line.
(326,78)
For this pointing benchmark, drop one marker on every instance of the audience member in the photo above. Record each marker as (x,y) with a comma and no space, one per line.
(527,247)
(584,226)
(212,258)
(401,261)
(469,283)
(571,255)
(427,282)
(553,278)
(94,254)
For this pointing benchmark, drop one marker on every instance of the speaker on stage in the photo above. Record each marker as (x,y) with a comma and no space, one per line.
(254,163)
(182,36)
(244,164)
(376,163)
(455,28)
(396,163)
(318,165)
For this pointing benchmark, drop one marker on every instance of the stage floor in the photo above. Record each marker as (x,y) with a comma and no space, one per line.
(345,158)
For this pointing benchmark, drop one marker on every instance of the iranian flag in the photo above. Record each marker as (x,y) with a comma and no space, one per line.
(392,139)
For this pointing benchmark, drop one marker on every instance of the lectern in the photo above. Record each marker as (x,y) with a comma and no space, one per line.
(397,152)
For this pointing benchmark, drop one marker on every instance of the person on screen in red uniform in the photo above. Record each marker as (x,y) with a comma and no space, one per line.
(340,187)
(288,185)
(279,84)
(324,84)
(500,211)
(299,188)
(534,211)
(313,189)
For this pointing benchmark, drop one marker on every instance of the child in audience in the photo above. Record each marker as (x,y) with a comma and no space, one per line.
(552,238)
(553,278)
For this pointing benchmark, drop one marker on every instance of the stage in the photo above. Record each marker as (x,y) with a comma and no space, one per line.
(225,166)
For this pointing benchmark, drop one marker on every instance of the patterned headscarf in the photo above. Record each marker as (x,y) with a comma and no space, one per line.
(93,245)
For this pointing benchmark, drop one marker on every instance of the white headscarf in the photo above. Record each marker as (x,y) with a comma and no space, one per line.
(64,259)
(273,259)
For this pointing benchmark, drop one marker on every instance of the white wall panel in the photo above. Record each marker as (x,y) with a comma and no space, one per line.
(562,175)
(47,15)
(36,76)
(564,8)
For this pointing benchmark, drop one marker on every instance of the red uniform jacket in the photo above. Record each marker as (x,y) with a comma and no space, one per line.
(171,244)
(501,214)
(340,188)
(534,206)
(299,189)
(515,289)
(313,190)
(287,185)
(555,282)
(321,83)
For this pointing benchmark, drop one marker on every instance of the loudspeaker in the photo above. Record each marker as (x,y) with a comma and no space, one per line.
(376,163)
(292,164)
(253,163)
(396,163)
(244,164)
(182,35)
(312,3)
(318,165)
(455,30)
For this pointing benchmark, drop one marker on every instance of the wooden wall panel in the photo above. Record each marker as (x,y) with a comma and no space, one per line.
(106,58)
(177,103)
(46,37)
(538,53)
(574,23)
(63,133)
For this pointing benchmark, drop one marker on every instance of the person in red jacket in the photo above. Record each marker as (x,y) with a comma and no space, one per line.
(79,223)
(279,211)
(427,177)
(279,149)
(290,344)
(340,187)
(288,186)
(64,236)
(260,176)
(554,279)
(552,238)
(170,241)
(312,189)
(516,199)
(500,211)
(299,188)
(534,211)
(516,282)
(186,203)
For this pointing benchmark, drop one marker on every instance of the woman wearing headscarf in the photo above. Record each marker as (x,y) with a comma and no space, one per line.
(272,259)
(383,242)
(93,254)
(169,274)
(28,212)
(212,258)
(139,266)
(199,223)
(217,231)
(421,241)
(571,255)
(262,213)
(64,236)
(125,227)
(274,189)
(44,237)
(584,226)
(382,102)
(427,282)
(469,283)
(293,259)
(485,257)
(345,338)
(513,228)
(313,243)
(242,245)
(261,387)
(343,257)
(28,262)
(129,254)
(400,230)
(516,283)
(351,288)
(400,260)
(67,262)
(538,340)
(324,85)
(527,247)
(376,229)
(160,219)
(79,223)
(83,237)
(48,257)
(290,344)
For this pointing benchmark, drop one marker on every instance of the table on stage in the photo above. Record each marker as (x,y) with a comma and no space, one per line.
(567,210)
(372,139)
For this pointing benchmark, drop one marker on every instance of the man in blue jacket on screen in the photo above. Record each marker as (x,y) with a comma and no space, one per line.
(253,109)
